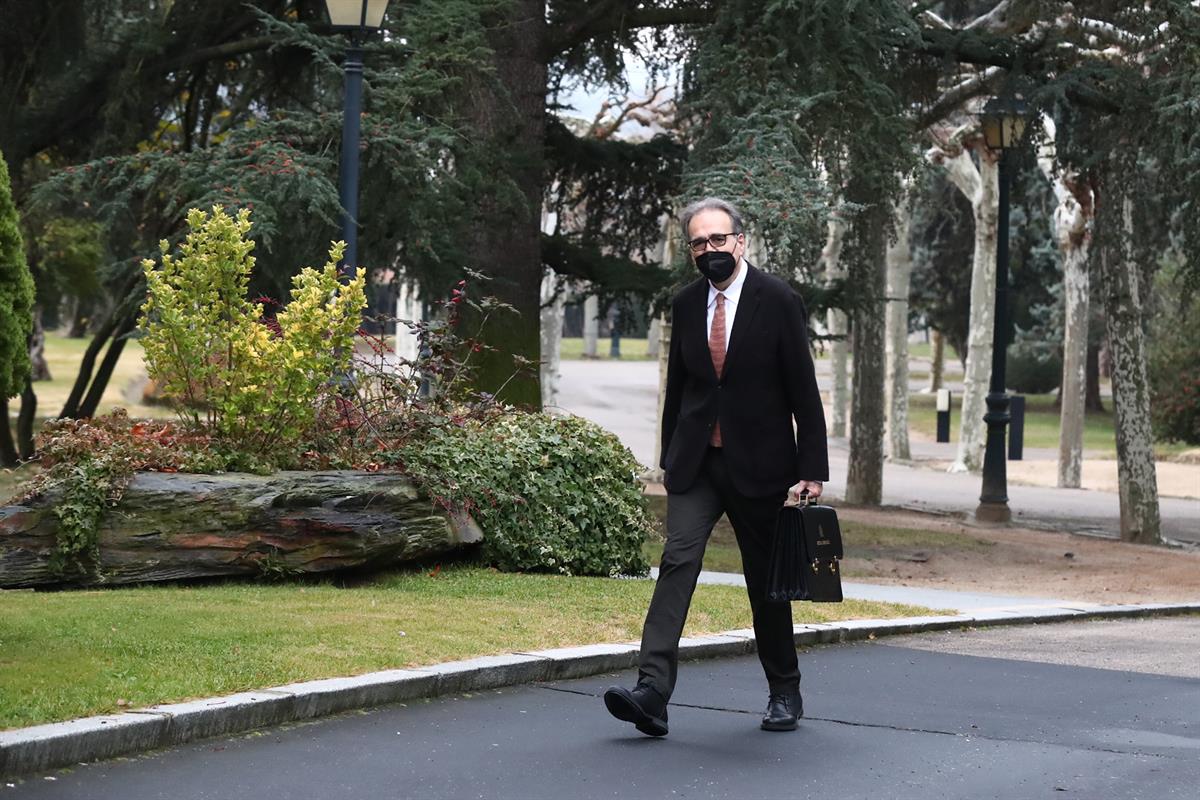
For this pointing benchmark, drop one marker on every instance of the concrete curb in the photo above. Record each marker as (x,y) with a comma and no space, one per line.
(45,747)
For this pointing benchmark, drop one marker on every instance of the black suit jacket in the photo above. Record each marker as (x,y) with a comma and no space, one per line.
(768,382)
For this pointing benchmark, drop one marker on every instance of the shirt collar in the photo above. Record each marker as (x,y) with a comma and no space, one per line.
(734,290)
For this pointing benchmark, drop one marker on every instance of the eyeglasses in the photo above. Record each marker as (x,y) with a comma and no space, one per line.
(717,240)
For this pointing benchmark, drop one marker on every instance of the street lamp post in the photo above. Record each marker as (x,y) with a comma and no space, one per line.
(357,18)
(1003,121)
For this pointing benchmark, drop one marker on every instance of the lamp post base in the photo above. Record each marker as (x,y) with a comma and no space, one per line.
(993,512)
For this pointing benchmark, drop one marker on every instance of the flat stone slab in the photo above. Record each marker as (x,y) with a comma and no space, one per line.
(333,695)
(59,744)
(591,659)
(488,672)
(214,716)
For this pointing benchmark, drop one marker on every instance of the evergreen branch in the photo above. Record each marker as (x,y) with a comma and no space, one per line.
(970,47)
(218,52)
(614,16)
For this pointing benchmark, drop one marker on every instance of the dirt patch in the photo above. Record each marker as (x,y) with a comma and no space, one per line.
(1019,561)
(907,548)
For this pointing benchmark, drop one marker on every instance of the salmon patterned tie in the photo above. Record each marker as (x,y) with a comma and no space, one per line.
(716,348)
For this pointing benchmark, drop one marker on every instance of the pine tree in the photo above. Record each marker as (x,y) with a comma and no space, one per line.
(16,295)
(16,312)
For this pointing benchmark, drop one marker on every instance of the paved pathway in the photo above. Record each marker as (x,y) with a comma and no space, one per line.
(622,397)
(996,713)
(942,599)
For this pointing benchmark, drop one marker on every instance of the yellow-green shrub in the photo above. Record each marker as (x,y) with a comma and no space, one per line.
(256,385)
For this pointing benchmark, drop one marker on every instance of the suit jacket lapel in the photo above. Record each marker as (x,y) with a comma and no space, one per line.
(747,306)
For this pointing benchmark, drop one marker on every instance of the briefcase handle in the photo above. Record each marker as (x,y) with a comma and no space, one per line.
(806,500)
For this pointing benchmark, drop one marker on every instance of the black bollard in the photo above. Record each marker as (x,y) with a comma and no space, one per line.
(1016,427)
(943,415)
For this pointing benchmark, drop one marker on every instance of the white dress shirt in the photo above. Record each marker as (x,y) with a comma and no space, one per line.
(733,293)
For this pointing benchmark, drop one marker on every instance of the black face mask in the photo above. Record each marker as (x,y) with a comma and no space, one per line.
(716,265)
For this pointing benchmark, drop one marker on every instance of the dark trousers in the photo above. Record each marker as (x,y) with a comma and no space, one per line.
(691,516)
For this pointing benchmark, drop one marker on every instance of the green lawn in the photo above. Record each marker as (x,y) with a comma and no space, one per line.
(1041,424)
(1041,421)
(925,350)
(76,653)
(631,349)
(64,356)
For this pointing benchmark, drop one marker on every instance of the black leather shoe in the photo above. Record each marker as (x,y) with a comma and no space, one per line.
(783,712)
(643,706)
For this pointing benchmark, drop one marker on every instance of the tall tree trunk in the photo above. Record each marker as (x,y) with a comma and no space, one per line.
(120,319)
(937,365)
(864,480)
(591,326)
(1073,230)
(507,243)
(104,373)
(8,451)
(39,370)
(980,183)
(25,420)
(87,365)
(839,327)
(408,309)
(652,337)
(1136,475)
(1074,375)
(553,302)
(1092,401)
(899,272)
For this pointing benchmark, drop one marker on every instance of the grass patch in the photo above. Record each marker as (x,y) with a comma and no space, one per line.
(77,653)
(11,479)
(64,356)
(1041,421)
(1041,424)
(925,350)
(631,349)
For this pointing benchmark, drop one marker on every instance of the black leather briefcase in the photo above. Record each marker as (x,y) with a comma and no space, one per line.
(805,555)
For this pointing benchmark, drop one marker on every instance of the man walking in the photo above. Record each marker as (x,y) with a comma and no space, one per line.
(739,374)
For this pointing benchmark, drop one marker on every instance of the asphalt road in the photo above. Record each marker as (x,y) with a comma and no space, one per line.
(1089,710)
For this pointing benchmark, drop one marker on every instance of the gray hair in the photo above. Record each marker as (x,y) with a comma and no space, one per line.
(709,204)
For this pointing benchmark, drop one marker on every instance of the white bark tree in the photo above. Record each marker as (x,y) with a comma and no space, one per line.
(979,181)
(1137,477)
(591,325)
(408,309)
(1073,221)
(899,273)
(553,302)
(839,326)
(937,361)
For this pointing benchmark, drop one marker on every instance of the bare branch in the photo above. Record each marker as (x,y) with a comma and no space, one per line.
(1004,19)
(934,20)
(1106,31)
(602,129)
(957,95)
